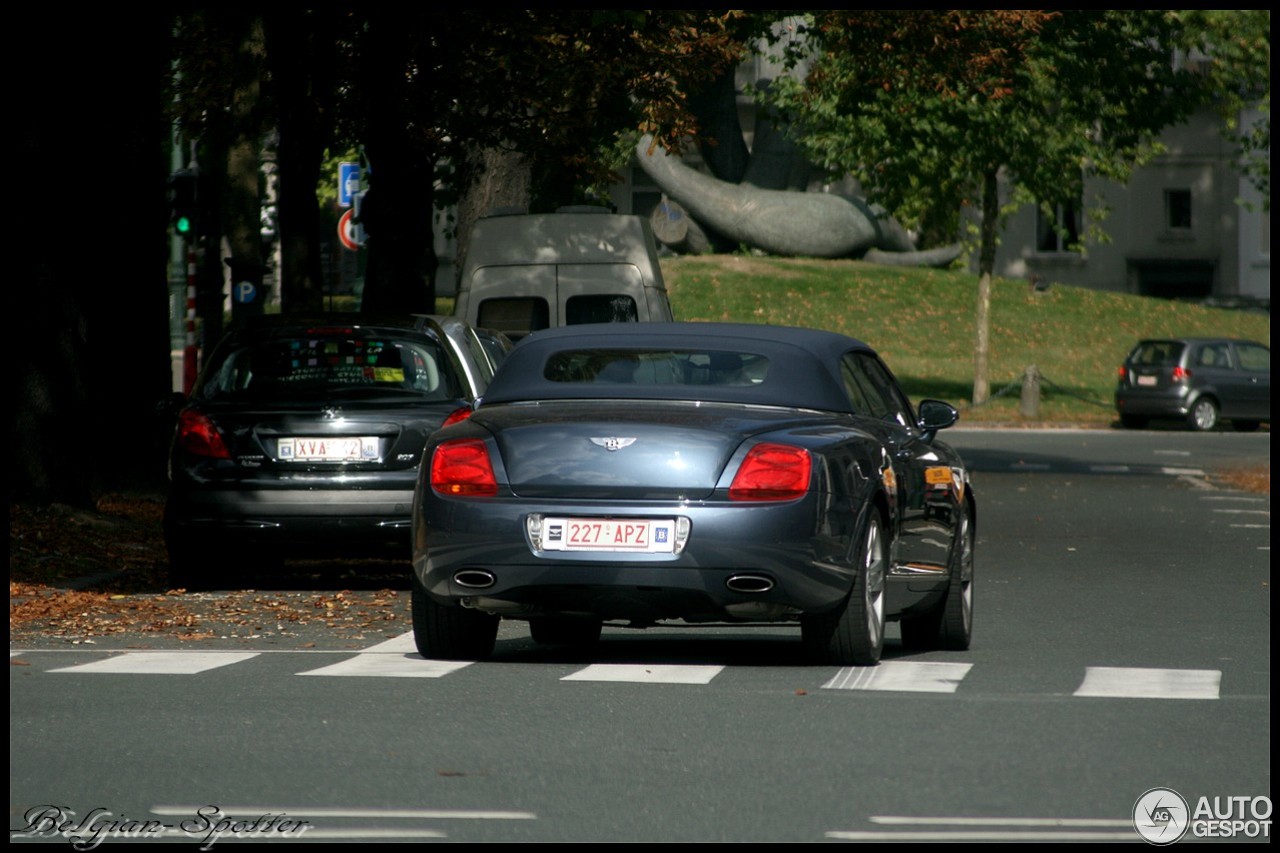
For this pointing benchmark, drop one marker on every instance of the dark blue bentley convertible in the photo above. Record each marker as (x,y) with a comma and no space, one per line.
(701,472)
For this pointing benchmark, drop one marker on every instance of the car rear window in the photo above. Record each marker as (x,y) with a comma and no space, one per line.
(1157,353)
(600,308)
(328,365)
(657,367)
(515,315)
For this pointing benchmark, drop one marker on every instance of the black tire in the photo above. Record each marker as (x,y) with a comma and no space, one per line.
(1203,415)
(949,625)
(447,632)
(550,631)
(1134,421)
(1245,426)
(853,633)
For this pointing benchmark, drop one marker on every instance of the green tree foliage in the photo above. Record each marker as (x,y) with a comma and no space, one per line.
(932,109)
(420,89)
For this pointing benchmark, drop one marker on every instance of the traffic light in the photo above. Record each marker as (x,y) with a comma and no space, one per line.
(184,203)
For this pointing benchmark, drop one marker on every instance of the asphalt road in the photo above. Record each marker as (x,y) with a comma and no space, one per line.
(1121,644)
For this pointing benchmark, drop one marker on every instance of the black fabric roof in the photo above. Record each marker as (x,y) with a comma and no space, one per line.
(804,364)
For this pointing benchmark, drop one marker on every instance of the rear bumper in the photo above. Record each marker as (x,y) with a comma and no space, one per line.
(478,553)
(1169,403)
(299,523)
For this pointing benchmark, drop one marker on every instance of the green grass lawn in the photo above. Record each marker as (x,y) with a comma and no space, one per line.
(922,322)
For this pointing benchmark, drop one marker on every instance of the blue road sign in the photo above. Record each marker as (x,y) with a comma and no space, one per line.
(348,182)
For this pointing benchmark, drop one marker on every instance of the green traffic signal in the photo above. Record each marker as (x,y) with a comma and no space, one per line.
(183,197)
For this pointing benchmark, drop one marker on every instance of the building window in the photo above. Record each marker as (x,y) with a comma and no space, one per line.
(1058,228)
(1177,210)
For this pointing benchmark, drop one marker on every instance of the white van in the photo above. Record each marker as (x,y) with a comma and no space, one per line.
(525,272)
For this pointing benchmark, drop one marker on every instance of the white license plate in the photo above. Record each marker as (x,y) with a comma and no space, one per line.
(1146,380)
(346,448)
(646,536)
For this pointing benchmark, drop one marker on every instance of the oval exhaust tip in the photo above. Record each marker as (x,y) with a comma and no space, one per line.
(474,579)
(750,583)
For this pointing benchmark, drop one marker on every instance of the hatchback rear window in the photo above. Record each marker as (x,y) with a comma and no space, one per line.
(657,367)
(325,366)
(1157,353)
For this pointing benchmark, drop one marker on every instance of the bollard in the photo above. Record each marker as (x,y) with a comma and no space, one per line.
(1029,406)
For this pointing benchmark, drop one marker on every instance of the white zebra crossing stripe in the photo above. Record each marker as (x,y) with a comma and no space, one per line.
(161,663)
(903,676)
(390,666)
(646,673)
(401,645)
(1141,683)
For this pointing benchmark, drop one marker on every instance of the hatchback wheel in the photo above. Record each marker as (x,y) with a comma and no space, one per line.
(1203,415)
(446,632)
(853,634)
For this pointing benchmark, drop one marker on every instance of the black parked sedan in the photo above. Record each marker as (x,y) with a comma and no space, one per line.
(1199,381)
(303,435)
(698,472)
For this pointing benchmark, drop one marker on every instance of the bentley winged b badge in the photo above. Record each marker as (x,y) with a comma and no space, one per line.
(612,442)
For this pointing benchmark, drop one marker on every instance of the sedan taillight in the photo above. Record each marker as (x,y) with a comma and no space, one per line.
(1181,374)
(199,436)
(772,472)
(462,467)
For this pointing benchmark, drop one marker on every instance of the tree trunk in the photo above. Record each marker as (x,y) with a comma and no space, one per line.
(986,264)
(242,204)
(294,41)
(400,277)
(495,178)
(90,351)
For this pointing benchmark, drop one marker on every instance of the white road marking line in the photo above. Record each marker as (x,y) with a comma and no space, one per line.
(1243,511)
(998,821)
(1237,498)
(161,663)
(311,833)
(1252,526)
(646,673)
(390,666)
(902,676)
(340,811)
(1144,683)
(1171,452)
(1109,469)
(1182,472)
(402,645)
(982,835)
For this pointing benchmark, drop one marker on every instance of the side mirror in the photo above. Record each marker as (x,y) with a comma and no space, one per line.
(936,415)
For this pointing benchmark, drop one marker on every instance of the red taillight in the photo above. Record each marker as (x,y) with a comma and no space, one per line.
(456,416)
(1122,372)
(1181,374)
(772,472)
(462,467)
(198,436)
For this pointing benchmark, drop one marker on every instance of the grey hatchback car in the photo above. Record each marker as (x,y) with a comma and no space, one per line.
(1201,381)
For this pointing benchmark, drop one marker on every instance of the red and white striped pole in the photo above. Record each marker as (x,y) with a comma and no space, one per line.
(191,353)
